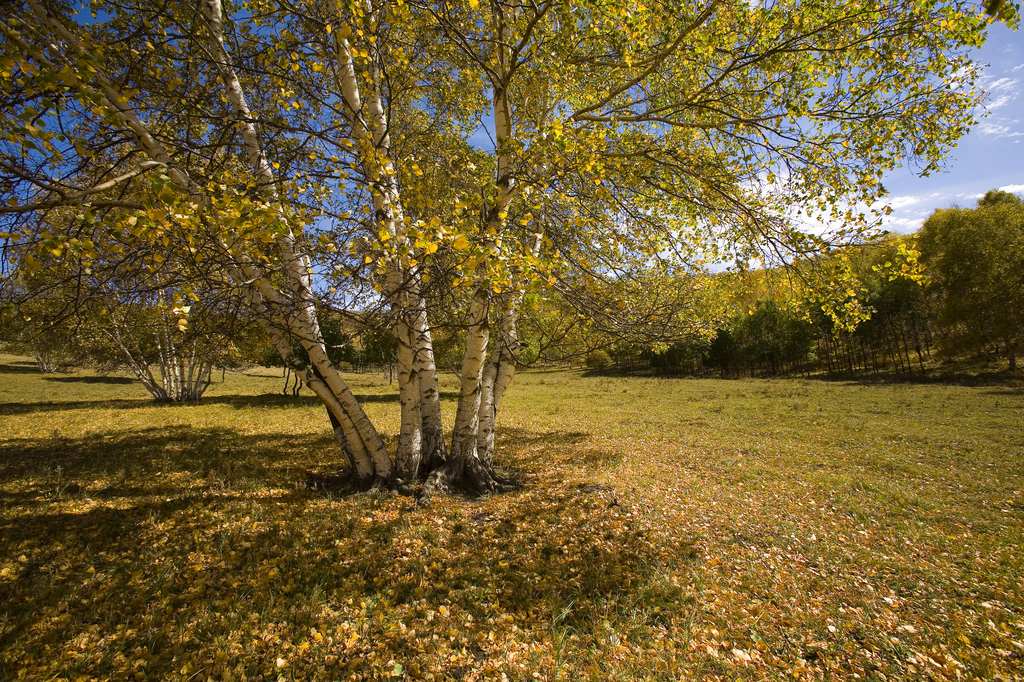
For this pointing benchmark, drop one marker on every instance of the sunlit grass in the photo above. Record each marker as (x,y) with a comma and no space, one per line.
(667,529)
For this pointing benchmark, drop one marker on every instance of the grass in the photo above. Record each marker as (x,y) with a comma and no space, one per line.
(667,529)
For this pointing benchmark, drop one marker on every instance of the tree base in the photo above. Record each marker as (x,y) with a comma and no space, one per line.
(470,478)
(464,477)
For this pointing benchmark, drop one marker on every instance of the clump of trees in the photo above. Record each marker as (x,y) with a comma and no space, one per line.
(967,304)
(975,260)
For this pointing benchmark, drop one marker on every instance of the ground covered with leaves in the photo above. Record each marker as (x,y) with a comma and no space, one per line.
(666,529)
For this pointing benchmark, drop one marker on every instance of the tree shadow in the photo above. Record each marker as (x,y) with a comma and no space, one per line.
(91,380)
(181,541)
(146,461)
(119,403)
(931,377)
(519,448)
(19,367)
(266,400)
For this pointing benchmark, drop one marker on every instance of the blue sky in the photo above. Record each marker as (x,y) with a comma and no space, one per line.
(991,156)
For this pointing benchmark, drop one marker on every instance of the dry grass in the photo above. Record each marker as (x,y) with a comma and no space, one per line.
(667,530)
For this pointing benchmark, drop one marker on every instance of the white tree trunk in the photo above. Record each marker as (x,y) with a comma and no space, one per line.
(433,444)
(467,415)
(462,466)
(301,315)
(410,437)
(417,381)
(502,366)
(497,377)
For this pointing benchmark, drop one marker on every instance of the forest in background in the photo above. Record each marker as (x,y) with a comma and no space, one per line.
(962,304)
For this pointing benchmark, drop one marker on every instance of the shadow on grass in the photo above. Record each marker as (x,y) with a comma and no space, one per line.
(536,450)
(19,368)
(91,380)
(267,400)
(930,377)
(139,462)
(120,403)
(201,541)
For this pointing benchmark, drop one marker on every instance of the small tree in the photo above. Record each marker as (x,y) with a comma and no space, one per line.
(598,359)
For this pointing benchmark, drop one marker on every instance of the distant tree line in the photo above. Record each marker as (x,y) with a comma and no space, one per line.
(968,304)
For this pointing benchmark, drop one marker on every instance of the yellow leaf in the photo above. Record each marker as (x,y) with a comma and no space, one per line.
(460,243)
(474,3)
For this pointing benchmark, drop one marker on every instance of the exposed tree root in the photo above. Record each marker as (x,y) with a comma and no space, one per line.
(471,478)
(466,477)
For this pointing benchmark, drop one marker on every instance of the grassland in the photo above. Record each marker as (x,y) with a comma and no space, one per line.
(667,529)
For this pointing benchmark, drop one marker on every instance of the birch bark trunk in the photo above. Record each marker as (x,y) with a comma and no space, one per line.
(497,377)
(464,467)
(434,451)
(365,112)
(502,366)
(300,317)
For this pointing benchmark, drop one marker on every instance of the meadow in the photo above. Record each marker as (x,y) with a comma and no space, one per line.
(665,530)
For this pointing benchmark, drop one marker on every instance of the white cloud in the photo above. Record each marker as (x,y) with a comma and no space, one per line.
(1013,189)
(1001,83)
(900,202)
(997,129)
(1000,100)
(1002,91)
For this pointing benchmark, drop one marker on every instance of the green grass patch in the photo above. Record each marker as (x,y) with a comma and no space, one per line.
(667,529)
